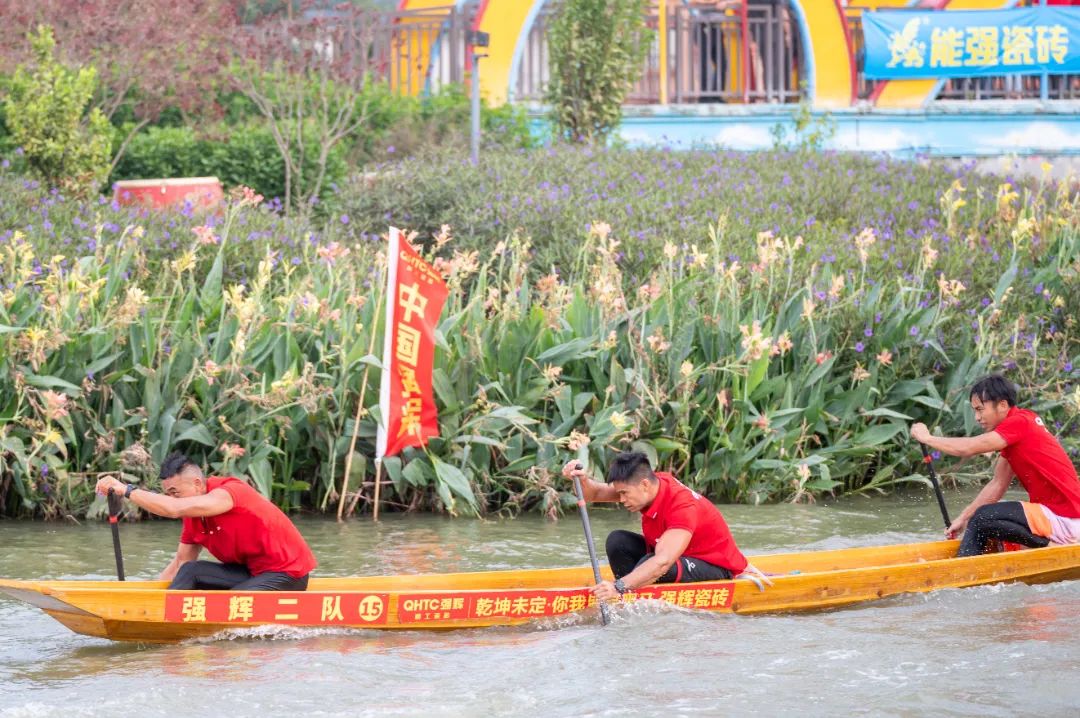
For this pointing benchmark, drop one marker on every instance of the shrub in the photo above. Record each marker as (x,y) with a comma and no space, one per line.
(237,155)
(597,48)
(46,115)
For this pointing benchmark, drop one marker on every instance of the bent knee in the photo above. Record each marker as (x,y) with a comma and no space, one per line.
(619,539)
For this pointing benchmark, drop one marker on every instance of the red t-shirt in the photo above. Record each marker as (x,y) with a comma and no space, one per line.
(677,507)
(253,532)
(1040,462)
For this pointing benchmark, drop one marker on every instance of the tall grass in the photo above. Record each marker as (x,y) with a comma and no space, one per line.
(759,362)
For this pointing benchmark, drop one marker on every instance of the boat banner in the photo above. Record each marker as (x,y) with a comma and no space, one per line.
(283,607)
(349,608)
(415,294)
(496,606)
(971,43)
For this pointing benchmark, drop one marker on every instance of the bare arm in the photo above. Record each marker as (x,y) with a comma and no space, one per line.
(990,494)
(211,503)
(184,552)
(592,490)
(669,547)
(962,446)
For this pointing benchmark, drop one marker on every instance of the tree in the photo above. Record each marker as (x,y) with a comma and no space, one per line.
(150,54)
(597,48)
(64,143)
(307,73)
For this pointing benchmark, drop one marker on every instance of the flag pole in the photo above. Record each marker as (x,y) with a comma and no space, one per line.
(356,419)
(378,484)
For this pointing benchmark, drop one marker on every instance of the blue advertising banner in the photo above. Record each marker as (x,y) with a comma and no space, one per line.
(971,43)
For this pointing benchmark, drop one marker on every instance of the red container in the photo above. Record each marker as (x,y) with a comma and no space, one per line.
(201,191)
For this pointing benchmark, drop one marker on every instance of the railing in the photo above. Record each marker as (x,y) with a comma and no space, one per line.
(998,87)
(712,56)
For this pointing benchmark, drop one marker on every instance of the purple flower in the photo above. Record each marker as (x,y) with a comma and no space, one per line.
(868,332)
(344,219)
(914,331)
(859,347)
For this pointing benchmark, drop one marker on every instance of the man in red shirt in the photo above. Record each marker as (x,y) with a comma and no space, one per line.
(684,537)
(1030,453)
(258,547)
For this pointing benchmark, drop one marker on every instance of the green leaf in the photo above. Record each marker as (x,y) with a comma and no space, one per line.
(197,433)
(455,479)
(568,351)
(52,382)
(876,435)
(889,413)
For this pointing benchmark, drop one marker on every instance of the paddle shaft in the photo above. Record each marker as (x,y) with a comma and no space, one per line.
(604,610)
(115,503)
(937,486)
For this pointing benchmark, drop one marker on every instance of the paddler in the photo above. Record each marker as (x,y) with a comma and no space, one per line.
(1030,453)
(683,538)
(258,547)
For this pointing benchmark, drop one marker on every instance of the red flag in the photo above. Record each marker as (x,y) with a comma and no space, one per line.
(415,294)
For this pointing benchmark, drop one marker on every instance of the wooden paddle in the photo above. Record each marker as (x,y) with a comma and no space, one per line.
(605,611)
(937,486)
(115,504)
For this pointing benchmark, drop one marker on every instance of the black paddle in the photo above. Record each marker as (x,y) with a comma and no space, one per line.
(115,504)
(605,616)
(937,486)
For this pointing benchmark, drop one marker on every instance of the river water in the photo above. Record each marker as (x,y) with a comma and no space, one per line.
(996,651)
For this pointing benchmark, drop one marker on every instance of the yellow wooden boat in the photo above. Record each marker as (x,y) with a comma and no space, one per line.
(144,611)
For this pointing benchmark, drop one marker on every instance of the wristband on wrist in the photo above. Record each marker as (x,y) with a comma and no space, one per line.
(128,490)
(620,586)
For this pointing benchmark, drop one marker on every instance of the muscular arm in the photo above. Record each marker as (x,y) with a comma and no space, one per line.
(211,503)
(184,552)
(669,547)
(592,490)
(964,446)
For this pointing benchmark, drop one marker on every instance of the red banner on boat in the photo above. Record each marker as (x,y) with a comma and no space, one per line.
(415,294)
(284,607)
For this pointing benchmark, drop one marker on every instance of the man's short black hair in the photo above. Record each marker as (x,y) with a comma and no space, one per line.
(994,388)
(630,466)
(174,463)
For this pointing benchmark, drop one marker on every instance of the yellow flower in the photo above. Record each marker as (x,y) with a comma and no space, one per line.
(929,254)
(860,374)
(185,263)
(577,440)
(754,342)
(670,250)
(600,229)
(837,287)
(808,307)
(619,420)
(863,241)
(804,471)
(552,373)
(686,369)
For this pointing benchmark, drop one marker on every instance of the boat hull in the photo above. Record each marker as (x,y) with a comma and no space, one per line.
(144,611)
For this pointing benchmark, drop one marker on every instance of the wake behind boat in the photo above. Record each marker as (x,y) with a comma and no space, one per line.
(145,611)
